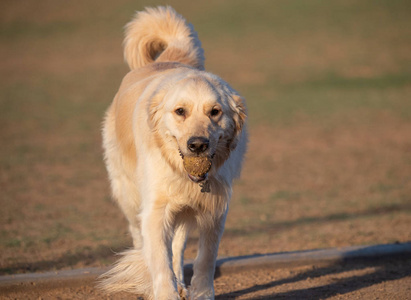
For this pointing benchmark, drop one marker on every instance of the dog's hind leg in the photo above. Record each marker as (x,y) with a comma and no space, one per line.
(136,235)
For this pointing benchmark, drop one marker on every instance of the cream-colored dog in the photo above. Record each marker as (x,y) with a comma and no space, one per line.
(167,109)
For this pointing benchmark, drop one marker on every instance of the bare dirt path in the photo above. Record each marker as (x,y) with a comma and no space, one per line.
(376,272)
(390,280)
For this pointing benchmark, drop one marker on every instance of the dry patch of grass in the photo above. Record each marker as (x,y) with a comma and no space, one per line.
(311,187)
(328,89)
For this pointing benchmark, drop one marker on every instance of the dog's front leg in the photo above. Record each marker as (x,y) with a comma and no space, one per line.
(179,244)
(202,286)
(157,230)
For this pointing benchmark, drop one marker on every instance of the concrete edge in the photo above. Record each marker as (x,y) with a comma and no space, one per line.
(315,257)
(224,266)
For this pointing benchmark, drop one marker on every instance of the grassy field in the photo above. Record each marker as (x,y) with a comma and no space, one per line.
(328,86)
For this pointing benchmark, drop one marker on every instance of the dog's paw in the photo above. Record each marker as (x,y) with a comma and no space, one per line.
(183,292)
(203,294)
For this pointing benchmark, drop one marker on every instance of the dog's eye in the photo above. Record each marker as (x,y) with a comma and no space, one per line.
(180,111)
(214,112)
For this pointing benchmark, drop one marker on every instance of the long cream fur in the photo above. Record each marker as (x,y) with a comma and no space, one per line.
(165,101)
(161,35)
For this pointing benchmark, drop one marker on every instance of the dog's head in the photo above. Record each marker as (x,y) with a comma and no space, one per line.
(197,116)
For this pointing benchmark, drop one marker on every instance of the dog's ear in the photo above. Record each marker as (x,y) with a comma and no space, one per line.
(239,118)
(240,112)
(154,106)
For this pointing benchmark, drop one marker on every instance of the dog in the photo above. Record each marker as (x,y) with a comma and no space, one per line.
(168,109)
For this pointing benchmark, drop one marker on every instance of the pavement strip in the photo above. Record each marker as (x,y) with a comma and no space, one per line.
(321,257)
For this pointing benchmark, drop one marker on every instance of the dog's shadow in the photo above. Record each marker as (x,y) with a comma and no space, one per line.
(384,272)
(384,269)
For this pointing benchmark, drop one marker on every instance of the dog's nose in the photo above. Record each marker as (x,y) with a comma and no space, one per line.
(198,144)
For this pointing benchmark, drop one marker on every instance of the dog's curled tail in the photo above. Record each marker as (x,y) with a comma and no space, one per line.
(129,274)
(161,35)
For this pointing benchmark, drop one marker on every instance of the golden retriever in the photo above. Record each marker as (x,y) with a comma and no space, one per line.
(168,108)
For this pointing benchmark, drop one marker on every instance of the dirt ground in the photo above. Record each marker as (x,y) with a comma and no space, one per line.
(327,87)
(350,195)
(386,279)
(329,152)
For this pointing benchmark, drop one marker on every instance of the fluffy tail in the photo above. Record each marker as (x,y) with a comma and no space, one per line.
(161,35)
(129,274)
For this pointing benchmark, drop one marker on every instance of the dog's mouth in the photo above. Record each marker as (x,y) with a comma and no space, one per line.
(197,167)
(197,179)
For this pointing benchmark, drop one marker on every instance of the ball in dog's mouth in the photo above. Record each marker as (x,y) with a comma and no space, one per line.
(197,167)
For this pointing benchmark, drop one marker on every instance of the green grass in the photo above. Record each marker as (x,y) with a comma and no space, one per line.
(314,58)
(325,103)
